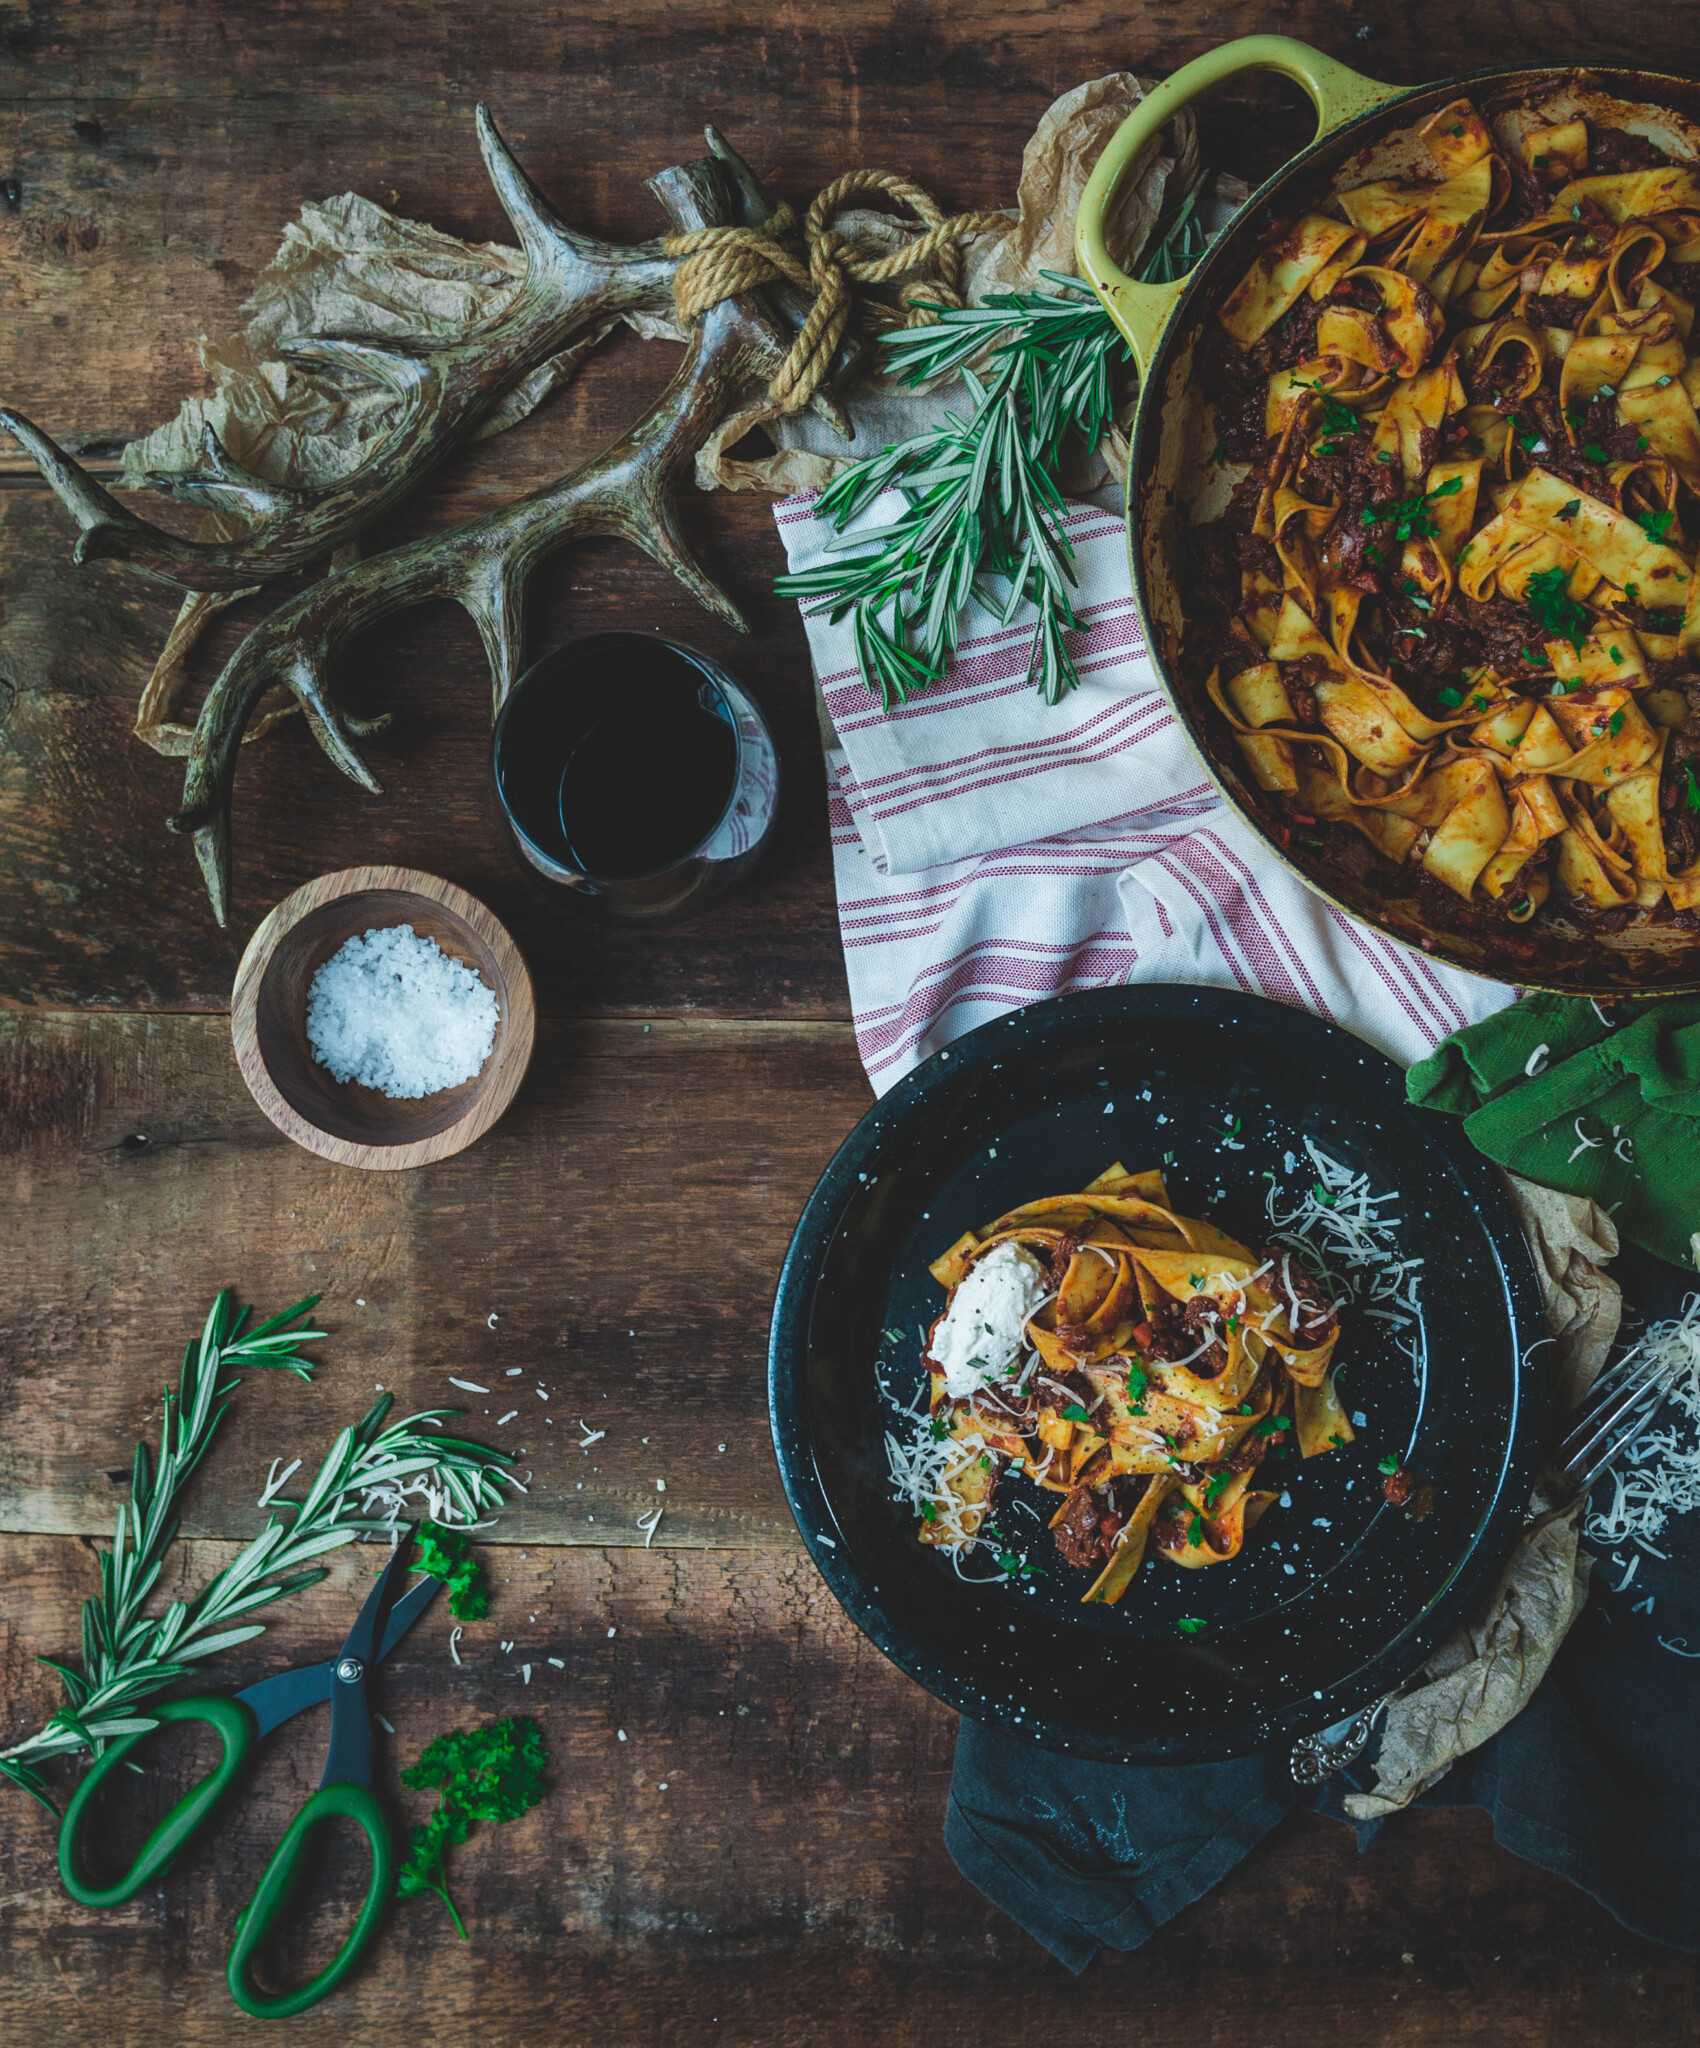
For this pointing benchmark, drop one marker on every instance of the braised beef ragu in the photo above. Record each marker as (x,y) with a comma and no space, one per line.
(1458,413)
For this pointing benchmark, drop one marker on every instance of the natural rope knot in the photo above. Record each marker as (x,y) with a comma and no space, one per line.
(719,263)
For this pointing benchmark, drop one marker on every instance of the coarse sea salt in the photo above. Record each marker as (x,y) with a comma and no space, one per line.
(392,1011)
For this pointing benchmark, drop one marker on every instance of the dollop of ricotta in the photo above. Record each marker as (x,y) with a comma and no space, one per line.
(982,1334)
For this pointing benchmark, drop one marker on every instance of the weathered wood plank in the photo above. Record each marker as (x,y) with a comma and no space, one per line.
(623,1223)
(788,1886)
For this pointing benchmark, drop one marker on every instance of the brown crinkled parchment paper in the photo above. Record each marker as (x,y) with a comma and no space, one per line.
(347,266)
(1484,1676)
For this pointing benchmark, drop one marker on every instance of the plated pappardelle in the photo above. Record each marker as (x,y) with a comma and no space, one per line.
(1450,613)
(1138,1362)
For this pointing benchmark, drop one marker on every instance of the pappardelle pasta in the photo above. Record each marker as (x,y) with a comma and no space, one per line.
(1138,1362)
(1451,615)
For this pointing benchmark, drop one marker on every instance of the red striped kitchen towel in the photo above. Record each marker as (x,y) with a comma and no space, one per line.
(991,850)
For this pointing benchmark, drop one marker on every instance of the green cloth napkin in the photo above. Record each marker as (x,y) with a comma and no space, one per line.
(1632,1085)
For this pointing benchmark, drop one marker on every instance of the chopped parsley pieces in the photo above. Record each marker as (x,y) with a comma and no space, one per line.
(1271,1425)
(892,1336)
(1655,525)
(1336,418)
(1138,1379)
(1547,595)
(1390,1464)
(1617,657)
(938,1429)
(1536,657)
(1215,1487)
(1691,793)
(929,1513)
(1594,452)
(1616,724)
(1449,699)
(1075,1413)
(1195,1530)
(1569,511)
(1190,1625)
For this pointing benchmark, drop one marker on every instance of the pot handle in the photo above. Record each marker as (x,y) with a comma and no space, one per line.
(1338,93)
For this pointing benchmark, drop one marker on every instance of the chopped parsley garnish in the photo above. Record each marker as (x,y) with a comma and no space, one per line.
(1569,511)
(1336,418)
(1218,453)
(1449,699)
(1548,596)
(1536,657)
(1322,1196)
(929,1513)
(1655,525)
(1195,1530)
(938,1429)
(1138,1379)
(1617,656)
(1594,452)
(447,1554)
(1190,1625)
(1390,1464)
(493,1773)
(1616,724)
(1215,1487)
(1691,794)
(1075,1413)
(892,1336)
(1271,1425)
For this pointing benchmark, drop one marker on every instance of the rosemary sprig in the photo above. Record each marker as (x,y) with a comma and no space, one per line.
(981,490)
(128,1657)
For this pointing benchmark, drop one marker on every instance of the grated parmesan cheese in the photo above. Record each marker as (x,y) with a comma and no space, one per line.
(1659,1474)
(1337,1229)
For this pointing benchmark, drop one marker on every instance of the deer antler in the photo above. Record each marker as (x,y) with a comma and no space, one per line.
(574,285)
(486,563)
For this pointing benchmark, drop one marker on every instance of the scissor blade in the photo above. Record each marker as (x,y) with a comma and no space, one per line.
(275,1700)
(348,1760)
(362,1639)
(406,1612)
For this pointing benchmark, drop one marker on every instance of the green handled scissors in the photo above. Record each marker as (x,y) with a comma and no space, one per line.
(242,1721)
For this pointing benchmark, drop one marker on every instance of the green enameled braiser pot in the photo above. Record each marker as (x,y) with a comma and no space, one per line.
(1365,129)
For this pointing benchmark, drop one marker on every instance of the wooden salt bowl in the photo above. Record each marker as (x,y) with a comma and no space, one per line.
(341,1120)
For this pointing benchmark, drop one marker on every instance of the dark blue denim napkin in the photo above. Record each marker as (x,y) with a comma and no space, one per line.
(1595,1779)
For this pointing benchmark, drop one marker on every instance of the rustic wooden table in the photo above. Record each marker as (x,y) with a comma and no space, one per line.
(758,1859)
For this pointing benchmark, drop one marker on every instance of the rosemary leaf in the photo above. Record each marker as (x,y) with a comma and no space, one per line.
(371,1474)
(981,490)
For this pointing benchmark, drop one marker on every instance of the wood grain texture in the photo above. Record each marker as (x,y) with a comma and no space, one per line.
(155,153)
(350,1125)
(623,1222)
(100,905)
(787,1887)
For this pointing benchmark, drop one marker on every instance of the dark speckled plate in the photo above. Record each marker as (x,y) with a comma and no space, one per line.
(1337,1596)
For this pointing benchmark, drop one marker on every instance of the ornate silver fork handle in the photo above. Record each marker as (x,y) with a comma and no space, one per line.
(1315,1757)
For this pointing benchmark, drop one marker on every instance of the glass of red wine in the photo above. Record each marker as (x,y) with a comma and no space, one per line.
(635,776)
